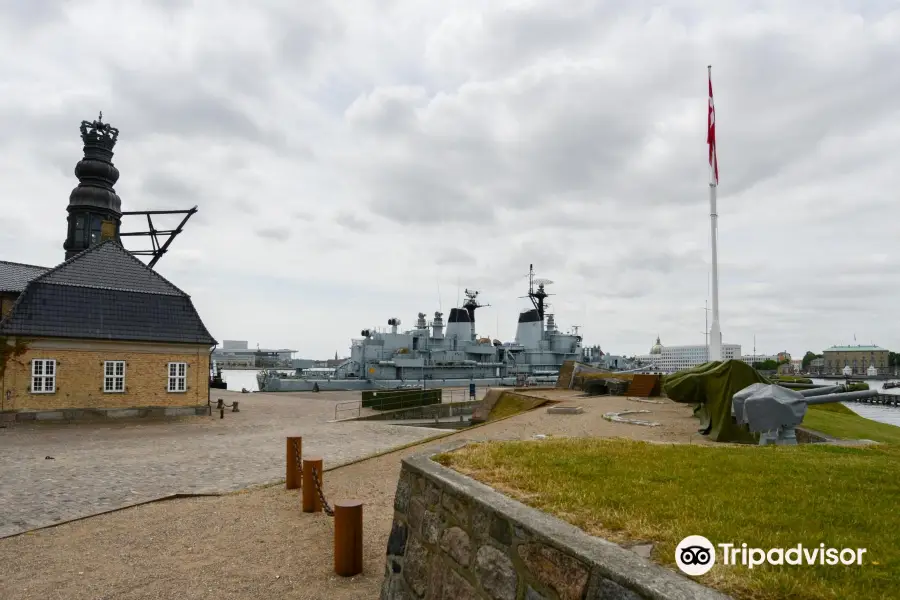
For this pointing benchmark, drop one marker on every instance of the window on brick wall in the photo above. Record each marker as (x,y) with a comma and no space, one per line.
(114,376)
(177,377)
(43,376)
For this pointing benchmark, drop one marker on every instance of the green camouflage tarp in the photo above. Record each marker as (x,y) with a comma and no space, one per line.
(711,387)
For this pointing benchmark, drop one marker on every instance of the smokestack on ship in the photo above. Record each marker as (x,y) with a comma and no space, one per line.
(459,325)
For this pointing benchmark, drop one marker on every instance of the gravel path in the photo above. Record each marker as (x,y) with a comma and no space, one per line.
(258,544)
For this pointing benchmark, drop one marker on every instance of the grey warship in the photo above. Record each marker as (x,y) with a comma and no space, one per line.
(432,355)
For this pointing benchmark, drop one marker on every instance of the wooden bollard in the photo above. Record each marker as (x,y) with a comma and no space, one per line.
(348,538)
(310,492)
(292,463)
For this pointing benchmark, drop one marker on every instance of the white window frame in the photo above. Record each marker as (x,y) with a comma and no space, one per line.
(113,381)
(41,381)
(176,378)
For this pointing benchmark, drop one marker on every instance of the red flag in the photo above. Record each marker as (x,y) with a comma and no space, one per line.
(711,134)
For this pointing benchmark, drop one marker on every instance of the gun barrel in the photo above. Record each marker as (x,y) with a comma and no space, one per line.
(828,389)
(827,398)
(800,386)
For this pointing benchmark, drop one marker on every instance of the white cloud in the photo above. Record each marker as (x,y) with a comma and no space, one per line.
(352,165)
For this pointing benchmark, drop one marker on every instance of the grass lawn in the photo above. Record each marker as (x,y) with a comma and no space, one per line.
(839,421)
(766,497)
(511,403)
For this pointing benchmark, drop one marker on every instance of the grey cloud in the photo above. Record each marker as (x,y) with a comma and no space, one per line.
(455,258)
(425,194)
(168,186)
(389,111)
(593,127)
(576,146)
(180,104)
(31,14)
(279,234)
(302,30)
(352,222)
(245,206)
(501,38)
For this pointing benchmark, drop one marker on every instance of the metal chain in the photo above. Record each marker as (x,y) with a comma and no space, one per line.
(299,461)
(328,510)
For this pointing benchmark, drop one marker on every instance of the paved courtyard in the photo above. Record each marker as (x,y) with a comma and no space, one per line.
(95,467)
(259,545)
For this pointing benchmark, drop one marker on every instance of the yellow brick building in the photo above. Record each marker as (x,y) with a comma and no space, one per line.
(858,358)
(103,330)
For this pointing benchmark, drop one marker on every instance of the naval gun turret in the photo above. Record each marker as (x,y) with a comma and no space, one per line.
(394,322)
(774,411)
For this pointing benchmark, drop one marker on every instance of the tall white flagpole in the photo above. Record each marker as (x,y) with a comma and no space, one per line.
(715,332)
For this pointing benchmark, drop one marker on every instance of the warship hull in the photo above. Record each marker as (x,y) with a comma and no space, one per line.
(295,384)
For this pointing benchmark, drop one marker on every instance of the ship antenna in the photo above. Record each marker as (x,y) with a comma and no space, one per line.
(440,308)
(537,297)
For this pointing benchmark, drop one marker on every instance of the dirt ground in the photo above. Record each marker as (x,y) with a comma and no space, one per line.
(258,543)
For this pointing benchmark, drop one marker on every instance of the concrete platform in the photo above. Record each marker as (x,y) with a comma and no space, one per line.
(565,410)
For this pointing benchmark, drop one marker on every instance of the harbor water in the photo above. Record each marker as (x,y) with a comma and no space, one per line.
(244,379)
(882,414)
(239,379)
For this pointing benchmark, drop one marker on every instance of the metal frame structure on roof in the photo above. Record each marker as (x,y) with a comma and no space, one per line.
(158,249)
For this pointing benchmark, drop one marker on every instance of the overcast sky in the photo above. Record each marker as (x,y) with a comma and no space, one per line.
(356,161)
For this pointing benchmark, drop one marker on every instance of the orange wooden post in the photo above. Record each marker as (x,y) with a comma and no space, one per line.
(310,492)
(292,462)
(348,538)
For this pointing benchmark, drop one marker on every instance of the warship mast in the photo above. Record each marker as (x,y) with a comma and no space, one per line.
(470,305)
(537,296)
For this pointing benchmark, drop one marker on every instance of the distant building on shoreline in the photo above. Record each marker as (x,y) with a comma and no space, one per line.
(816,366)
(235,354)
(858,358)
(669,359)
(752,359)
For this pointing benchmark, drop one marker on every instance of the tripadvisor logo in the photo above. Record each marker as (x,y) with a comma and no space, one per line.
(695,555)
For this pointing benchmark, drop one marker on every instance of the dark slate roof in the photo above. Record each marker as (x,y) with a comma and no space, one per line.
(109,266)
(106,293)
(15,276)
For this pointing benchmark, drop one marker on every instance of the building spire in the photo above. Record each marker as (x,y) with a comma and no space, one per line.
(95,210)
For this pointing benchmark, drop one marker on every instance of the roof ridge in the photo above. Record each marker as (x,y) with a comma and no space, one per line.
(96,247)
(69,260)
(18,264)
(147,267)
(104,287)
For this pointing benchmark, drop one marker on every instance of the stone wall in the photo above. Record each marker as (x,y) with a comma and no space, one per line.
(425,412)
(455,538)
(79,375)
